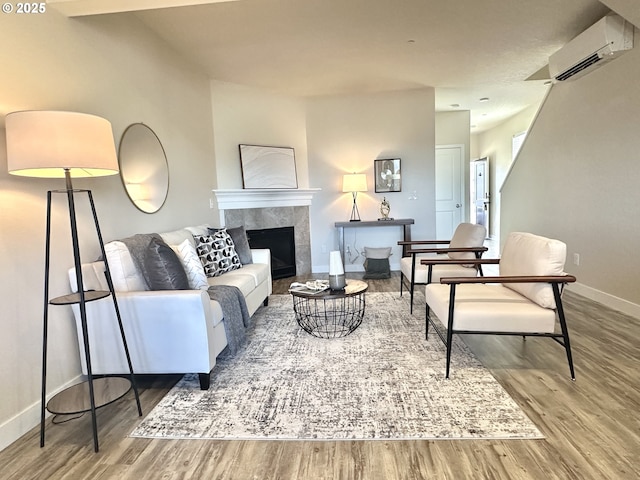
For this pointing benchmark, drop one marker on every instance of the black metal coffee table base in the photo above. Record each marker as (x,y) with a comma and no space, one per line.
(331,314)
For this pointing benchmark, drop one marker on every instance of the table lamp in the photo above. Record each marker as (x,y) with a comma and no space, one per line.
(354,183)
(56,144)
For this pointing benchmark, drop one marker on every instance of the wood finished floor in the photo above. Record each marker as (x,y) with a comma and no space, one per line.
(592,426)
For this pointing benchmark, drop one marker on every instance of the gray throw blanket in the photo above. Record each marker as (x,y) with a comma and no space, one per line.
(236,315)
(230,298)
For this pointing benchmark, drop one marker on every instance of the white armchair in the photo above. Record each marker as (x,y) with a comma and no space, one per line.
(466,243)
(525,299)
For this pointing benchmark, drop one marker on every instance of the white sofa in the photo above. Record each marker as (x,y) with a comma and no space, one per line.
(167,331)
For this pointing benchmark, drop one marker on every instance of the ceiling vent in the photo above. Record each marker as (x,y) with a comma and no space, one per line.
(599,44)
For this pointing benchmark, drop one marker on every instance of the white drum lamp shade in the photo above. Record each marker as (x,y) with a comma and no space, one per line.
(354,182)
(49,143)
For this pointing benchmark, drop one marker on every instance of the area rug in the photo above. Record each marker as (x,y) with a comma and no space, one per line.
(384,381)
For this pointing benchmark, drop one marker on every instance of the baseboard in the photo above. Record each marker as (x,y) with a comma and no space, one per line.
(606,299)
(23,422)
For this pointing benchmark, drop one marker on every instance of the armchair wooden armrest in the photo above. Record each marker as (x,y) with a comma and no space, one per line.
(511,279)
(448,250)
(461,261)
(423,242)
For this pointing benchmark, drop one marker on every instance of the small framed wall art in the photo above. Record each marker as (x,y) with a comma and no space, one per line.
(388,175)
(268,167)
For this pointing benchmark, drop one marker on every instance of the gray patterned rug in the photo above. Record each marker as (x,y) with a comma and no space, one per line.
(384,381)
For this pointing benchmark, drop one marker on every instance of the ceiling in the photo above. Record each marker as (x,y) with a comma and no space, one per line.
(465,49)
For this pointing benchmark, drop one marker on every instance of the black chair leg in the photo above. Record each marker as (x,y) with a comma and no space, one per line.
(452,299)
(426,323)
(411,301)
(563,327)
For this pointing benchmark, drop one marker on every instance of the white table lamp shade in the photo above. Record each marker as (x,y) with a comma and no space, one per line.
(47,143)
(354,182)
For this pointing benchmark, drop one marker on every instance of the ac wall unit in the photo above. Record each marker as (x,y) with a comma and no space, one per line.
(597,45)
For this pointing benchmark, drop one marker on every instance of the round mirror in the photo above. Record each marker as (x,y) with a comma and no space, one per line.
(143,167)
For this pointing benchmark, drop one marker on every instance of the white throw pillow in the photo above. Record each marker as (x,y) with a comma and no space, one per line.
(192,265)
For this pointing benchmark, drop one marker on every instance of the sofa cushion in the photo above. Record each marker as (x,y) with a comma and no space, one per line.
(176,237)
(164,269)
(245,283)
(192,266)
(124,273)
(217,253)
(258,271)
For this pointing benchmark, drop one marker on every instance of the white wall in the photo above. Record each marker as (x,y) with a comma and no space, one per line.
(496,145)
(453,128)
(245,115)
(114,67)
(577,178)
(345,134)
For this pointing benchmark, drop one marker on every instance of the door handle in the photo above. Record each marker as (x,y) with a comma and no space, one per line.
(458,205)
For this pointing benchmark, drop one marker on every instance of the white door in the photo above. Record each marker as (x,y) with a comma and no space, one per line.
(449,189)
(480,196)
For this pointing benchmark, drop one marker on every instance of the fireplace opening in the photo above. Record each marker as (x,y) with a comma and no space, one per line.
(282,245)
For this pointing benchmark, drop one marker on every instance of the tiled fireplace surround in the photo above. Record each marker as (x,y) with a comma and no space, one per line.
(258,209)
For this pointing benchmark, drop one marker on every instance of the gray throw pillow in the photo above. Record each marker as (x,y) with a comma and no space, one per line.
(164,269)
(241,243)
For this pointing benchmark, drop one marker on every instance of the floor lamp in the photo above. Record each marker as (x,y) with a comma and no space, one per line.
(354,183)
(53,144)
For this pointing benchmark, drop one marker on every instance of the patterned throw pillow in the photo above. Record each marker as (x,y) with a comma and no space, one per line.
(192,265)
(241,243)
(217,253)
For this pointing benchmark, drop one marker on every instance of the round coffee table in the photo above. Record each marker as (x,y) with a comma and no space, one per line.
(331,314)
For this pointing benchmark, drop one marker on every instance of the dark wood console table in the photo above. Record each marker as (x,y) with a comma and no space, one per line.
(405,223)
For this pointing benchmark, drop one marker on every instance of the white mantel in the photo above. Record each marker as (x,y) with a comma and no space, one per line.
(233,199)
(279,207)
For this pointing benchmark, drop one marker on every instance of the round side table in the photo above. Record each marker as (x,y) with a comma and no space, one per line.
(331,314)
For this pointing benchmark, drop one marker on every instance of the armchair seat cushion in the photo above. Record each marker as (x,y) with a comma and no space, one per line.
(439,271)
(490,308)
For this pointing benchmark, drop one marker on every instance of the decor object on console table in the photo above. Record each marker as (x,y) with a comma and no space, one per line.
(405,223)
(385,208)
(53,144)
(354,183)
(336,271)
